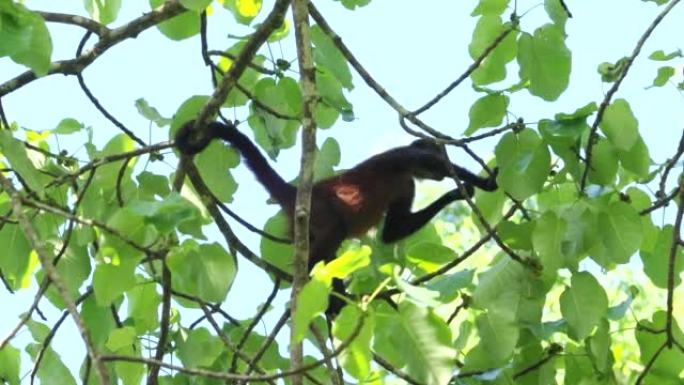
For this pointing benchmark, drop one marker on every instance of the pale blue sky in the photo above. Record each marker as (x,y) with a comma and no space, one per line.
(413,48)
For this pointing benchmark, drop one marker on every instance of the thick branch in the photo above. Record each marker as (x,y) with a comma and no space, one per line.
(302,211)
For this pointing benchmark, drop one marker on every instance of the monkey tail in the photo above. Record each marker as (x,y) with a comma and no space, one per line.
(283,192)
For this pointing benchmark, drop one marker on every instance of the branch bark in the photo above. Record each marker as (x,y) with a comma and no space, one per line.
(302,212)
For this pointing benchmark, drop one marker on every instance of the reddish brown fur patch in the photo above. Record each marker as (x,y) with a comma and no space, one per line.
(350,194)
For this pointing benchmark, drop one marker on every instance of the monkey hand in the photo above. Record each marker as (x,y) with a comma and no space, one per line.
(491,181)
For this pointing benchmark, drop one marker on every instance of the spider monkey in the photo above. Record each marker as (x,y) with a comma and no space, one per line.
(349,204)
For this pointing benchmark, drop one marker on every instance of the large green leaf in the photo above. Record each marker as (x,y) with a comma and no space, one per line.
(488,111)
(548,236)
(15,153)
(620,125)
(313,300)
(52,370)
(16,260)
(205,270)
(487,30)
(143,300)
(357,357)
(199,349)
(524,163)
(604,163)
(10,363)
(583,304)
(545,61)
(327,55)
(667,367)
(656,262)
(621,229)
(430,358)
(180,27)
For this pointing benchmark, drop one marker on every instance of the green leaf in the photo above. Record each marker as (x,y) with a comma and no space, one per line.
(583,304)
(664,74)
(429,256)
(493,68)
(490,7)
(666,368)
(637,159)
(357,357)
(449,285)
(150,113)
(74,268)
(618,311)
(326,159)
(15,29)
(10,363)
(15,153)
(123,341)
(206,270)
(498,334)
(180,27)
(111,280)
(556,13)
(312,301)
(343,266)
(506,276)
(277,253)
(425,344)
(165,215)
(599,347)
(327,55)
(38,53)
(244,11)
(52,370)
(121,338)
(621,231)
(524,163)
(104,11)
(660,55)
(270,132)
(16,261)
(330,90)
(143,300)
(488,111)
(604,163)
(214,164)
(99,321)
(547,238)
(516,235)
(152,184)
(620,125)
(545,61)
(248,79)
(656,262)
(199,349)
(68,126)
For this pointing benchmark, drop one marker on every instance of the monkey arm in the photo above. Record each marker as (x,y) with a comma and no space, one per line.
(400,222)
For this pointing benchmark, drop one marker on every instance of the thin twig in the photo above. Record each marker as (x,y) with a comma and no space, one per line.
(113,37)
(593,135)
